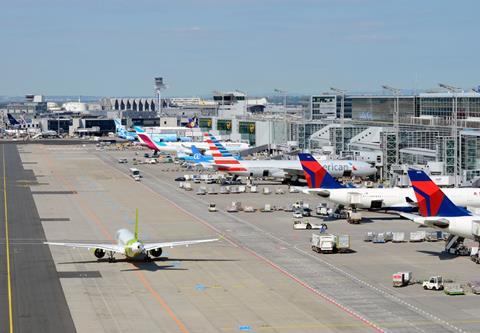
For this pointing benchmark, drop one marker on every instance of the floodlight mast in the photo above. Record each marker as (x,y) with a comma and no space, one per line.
(342,114)
(454,90)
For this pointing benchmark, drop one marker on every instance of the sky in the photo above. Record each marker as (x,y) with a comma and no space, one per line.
(117,47)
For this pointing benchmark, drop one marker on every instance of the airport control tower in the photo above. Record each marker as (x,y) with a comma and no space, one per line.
(159,86)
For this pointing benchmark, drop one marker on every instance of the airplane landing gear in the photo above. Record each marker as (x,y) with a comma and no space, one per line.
(111,257)
(147,258)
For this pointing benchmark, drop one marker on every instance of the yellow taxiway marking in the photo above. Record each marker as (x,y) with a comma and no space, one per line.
(7,245)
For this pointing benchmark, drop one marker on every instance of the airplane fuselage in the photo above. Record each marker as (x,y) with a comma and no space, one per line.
(282,168)
(462,226)
(394,198)
(132,246)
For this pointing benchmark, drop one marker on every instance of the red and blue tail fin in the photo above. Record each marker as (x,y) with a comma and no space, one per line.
(431,200)
(316,175)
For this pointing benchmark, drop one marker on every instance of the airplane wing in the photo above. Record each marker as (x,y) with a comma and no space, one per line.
(152,246)
(105,247)
(434,221)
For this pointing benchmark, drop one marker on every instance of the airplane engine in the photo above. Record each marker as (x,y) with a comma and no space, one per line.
(99,253)
(278,174)
(156,252)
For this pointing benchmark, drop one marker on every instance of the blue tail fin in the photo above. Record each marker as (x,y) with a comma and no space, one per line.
(431,199)
(12,120)
(197,155)
(316,175)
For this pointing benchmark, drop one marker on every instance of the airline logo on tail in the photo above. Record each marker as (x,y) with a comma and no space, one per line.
(316,175)
(197,156)
(12,120)
(145,139)
(122,131)
(431,200)
(222,156)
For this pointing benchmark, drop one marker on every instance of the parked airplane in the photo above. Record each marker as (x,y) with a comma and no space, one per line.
(183,147)
(163,137)
(13,122)
(130,245)
(122,131)
(196,157)
(284,169)
(396,199)
(438,211)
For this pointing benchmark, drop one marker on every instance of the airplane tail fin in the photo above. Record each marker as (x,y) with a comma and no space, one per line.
(146,139)
(12,120)
(197,155)
(222,156)
(136,224)
(316,175)
(431,199)
(138,129)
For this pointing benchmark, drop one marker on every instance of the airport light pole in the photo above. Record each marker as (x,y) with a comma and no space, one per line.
(396,119)
(454,90)
(342,114)
(284,94)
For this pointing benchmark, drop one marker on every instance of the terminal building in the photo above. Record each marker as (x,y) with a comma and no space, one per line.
(433,127)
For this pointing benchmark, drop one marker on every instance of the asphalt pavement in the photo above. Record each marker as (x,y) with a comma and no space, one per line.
(34,301)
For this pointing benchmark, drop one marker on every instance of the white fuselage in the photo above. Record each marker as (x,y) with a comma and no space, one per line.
(378,198)
(132,246)
(463,226)
(186,147)
(282,168)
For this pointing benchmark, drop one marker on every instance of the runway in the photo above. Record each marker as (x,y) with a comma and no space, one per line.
(34,301)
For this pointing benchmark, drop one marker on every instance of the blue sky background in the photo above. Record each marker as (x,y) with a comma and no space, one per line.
(116,47)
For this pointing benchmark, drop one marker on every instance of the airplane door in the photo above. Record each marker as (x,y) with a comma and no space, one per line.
(376,204)
(265,173)
(347,173)
(354,198)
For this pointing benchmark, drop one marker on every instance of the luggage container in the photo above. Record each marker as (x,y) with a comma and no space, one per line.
(343,243)
(402,279)
(253,189)
(453,289)
(431,236)
(235,207)
(398,237)
(224,190)
(354,217)
(267,208)
(187,187)
(323,243)
(212,190)
(202,190)
(266,191)
(249,209)
(417,236)
(369,236)
(379,238)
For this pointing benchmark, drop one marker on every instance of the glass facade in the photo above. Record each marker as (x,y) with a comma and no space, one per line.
(224,126)
(442,107)
(381,108)
(205,124)
(63,124)
(247,131)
